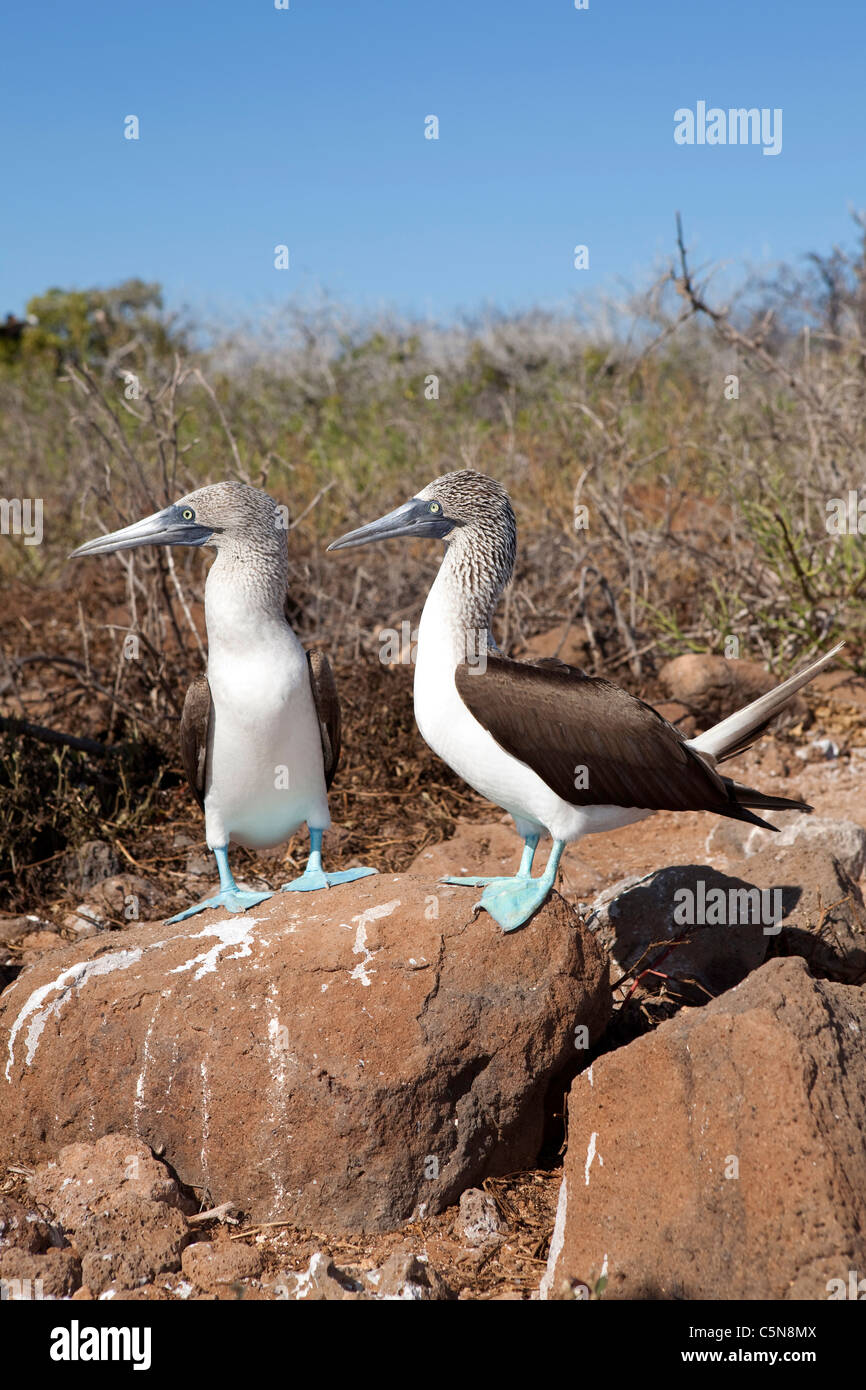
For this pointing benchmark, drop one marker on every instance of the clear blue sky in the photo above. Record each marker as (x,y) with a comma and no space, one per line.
(306,127)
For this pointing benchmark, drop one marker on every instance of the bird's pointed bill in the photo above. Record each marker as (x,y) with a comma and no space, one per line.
(168,527)
(416,517)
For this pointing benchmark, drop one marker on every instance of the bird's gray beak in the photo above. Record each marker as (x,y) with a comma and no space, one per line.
(163,528)
(414,518)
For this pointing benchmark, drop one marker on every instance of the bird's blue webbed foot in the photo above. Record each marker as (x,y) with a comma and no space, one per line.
(314,876)
(512,901)
(230,896)
(237,901)
(311,879)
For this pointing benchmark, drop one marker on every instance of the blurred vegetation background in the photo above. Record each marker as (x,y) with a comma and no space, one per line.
(671,466)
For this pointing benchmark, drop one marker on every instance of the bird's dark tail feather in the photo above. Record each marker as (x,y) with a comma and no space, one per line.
(744,798)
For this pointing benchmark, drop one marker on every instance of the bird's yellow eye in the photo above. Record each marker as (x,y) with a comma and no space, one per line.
(187,513)
(434,507)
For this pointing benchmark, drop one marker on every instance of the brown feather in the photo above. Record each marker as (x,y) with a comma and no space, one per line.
(556,719)
(194,725)
(328,709)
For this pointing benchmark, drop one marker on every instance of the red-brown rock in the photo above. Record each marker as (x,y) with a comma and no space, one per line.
(343,1059)
(213,1264)
(22,1228)
(54,1274)
(85,1178)
(476,847)
(127,1241)
(722,1156)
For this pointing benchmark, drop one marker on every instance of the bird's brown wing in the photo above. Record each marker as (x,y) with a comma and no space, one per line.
(558,721)
(556,663)
(328,709)
(194,725)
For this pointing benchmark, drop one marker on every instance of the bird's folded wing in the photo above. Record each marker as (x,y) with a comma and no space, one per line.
(324,689)
(591,742)
(194,725)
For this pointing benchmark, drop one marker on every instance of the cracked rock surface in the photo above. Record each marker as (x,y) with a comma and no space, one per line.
(721,1156)
(348,1059)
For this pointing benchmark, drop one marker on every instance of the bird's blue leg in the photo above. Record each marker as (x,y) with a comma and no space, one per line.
(512,901)
(314,875)
(231,897)
(525,870)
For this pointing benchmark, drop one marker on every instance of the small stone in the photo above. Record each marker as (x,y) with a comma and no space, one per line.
(85,921)
(845,840)
(819,750)
(85,1176)
(479,1221)
(210,1264)
(54,1274)
(321,1282)
(130,897)
(25,1229)
(713,687)
(128,1240)
(406,1277)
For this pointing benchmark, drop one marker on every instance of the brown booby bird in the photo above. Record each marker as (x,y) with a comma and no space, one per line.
(564,753)
(260,732)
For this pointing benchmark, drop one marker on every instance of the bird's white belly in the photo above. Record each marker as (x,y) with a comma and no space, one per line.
(465,745)
(266,775)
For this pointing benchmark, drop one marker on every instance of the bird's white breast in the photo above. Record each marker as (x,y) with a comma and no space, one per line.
(265,769)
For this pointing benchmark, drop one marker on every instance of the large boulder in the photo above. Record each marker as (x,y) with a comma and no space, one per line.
(722,1156)
(825,916)
(702,929)
(343,1059)
(844,839)
(812,867)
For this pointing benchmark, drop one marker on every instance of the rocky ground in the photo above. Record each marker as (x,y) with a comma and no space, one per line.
(374,1094)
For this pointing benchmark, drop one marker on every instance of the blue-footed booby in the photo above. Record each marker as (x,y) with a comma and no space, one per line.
(260,732)
(564,753)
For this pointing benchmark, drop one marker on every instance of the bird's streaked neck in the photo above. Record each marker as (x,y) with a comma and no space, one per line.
(245,594)
(464,595)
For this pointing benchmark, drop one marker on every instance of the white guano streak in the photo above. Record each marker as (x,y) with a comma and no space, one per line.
(72,979)
(230,932)
(590,1155)
(557,1240)
(360,947)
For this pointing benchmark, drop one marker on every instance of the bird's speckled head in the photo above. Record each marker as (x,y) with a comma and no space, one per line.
(483,543)
(470,511)
(235,513)
(231,516)
(473,514)
(473,499)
